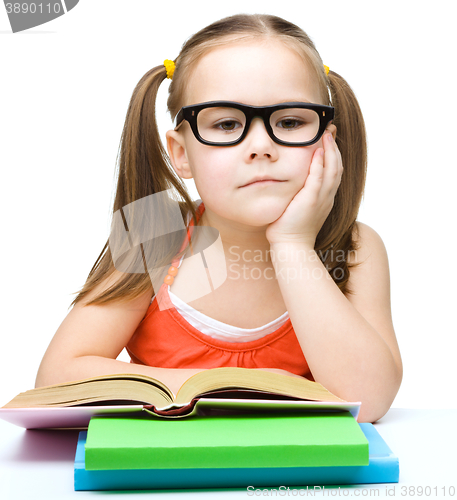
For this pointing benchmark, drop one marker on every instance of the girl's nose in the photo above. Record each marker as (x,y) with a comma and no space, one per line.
(259,143)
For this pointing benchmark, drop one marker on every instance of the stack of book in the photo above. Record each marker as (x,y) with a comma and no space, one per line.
(236,451)
(226,427)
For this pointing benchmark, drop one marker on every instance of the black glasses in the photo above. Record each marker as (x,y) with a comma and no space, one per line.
(226,123)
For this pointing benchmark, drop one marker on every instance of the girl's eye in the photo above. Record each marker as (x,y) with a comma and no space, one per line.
(289,123)
(227,125)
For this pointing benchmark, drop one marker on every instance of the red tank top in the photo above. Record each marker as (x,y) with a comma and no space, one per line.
(164,339)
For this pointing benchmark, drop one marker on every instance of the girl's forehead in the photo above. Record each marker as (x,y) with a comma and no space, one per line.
(257,72)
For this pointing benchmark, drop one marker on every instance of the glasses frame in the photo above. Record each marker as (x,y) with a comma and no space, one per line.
(190,113)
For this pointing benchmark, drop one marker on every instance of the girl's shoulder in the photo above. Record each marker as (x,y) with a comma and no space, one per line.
(369,244)
(369,278)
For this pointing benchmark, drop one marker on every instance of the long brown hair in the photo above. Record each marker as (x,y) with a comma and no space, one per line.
(145,168)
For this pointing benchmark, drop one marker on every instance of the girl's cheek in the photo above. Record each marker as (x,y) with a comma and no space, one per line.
(305,161)
(213,181)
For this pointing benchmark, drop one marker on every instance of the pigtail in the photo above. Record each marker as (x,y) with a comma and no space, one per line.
(143,169)
(335,239)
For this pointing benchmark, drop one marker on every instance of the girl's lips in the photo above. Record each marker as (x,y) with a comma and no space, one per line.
(262,183)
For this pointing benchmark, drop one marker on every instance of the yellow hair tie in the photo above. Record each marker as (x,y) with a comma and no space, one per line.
(170,67)
(327,69)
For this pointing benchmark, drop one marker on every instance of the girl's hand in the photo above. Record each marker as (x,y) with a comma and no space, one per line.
(307,212)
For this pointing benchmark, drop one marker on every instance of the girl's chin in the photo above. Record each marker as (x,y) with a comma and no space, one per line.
(256,211)
(262,214)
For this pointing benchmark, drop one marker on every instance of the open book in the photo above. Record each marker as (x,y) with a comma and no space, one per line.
(221,388)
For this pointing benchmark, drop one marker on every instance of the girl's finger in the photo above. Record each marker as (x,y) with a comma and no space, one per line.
(331,149)
(316,168)
(331,166)
(313,183)
(340,159)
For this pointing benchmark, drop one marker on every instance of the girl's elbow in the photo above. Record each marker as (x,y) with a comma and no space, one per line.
(379,404)
(53,371)
(40,380)
(370,414)
(44,377)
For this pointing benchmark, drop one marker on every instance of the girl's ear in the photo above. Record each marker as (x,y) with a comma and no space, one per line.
(176,146)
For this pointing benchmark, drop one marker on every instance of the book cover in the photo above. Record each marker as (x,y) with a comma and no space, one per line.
(80,416)
(221,441)
(383,467)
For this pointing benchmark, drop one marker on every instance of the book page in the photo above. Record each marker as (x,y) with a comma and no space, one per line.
(125,387)
(245,378)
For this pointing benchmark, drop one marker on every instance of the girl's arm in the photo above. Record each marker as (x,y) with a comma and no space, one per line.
(349,342)
(90,338)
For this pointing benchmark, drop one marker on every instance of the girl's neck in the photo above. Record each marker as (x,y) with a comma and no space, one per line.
(238,238)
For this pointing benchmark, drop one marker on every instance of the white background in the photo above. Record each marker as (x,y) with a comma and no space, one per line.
(64,91)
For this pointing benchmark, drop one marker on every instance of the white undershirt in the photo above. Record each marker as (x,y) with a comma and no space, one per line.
(222,331)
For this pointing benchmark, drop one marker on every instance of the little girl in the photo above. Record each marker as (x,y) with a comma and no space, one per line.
(269,269)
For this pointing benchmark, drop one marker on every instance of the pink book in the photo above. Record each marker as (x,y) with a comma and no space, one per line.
(79,416)
(225,389)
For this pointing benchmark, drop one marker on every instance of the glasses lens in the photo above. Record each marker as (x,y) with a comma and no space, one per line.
(295,125)
(220,124)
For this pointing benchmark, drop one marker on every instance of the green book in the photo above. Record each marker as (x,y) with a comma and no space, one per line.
(225,441)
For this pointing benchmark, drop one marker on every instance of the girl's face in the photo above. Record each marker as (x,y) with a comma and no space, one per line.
(258,73)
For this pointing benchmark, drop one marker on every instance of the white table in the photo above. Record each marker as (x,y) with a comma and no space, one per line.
(37,464)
